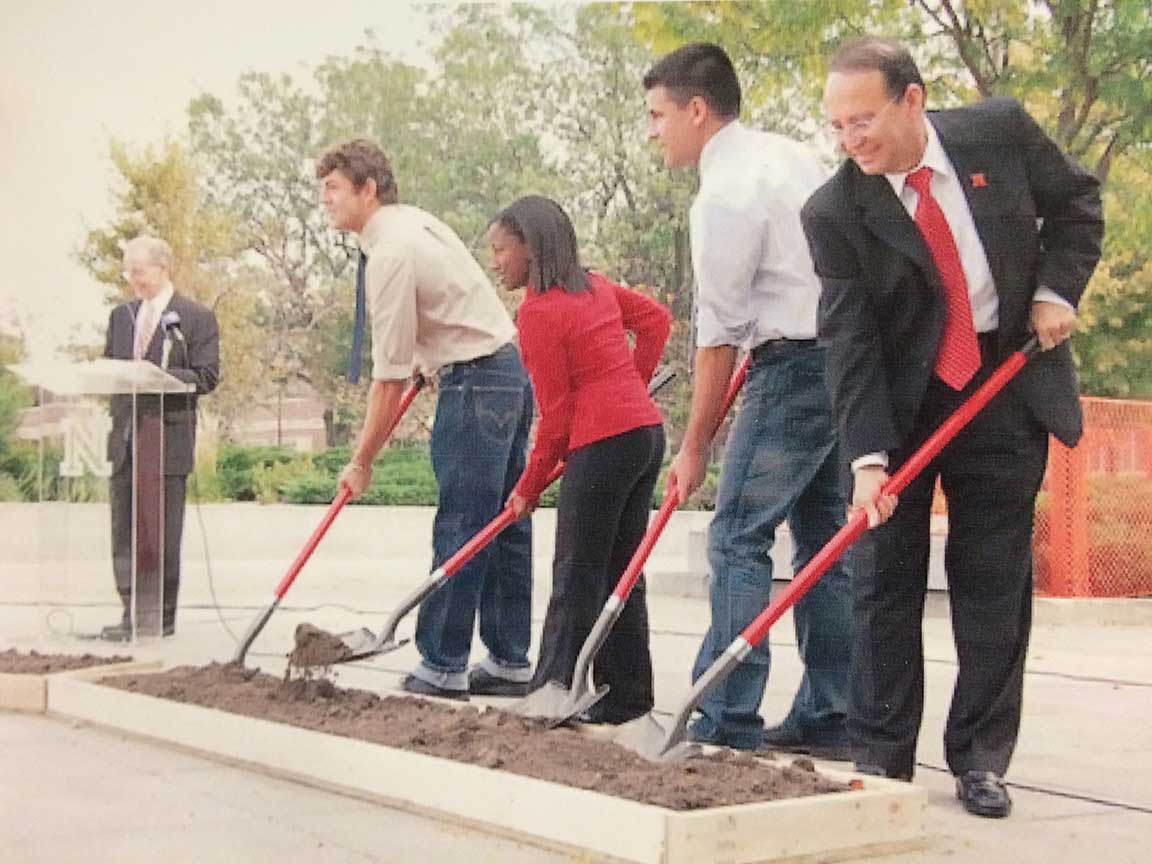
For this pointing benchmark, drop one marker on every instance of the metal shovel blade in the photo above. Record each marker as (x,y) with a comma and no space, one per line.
(363,643)
(556,703)
(318,648)
(647,738)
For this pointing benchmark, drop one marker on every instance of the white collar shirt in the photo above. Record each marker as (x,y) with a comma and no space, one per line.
(754,276)
(949,194)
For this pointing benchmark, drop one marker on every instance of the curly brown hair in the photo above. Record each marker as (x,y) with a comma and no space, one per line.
(360,160)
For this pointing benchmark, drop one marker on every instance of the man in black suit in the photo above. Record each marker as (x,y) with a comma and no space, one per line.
(181,335)
(941,244)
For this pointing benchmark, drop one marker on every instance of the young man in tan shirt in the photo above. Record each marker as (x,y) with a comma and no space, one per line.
(432,309)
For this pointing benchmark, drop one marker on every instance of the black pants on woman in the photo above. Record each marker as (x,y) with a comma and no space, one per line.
(605,502)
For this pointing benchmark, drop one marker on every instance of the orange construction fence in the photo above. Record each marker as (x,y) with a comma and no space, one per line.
(1094,515)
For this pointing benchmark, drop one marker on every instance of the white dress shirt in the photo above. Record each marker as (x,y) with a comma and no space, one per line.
(754,274)
(949,194)
(429,302)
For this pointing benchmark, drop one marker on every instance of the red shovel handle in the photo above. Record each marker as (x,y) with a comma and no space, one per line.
(858,523)
(672,500)
(341,498)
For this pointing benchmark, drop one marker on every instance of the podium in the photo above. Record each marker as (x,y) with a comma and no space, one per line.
(100,533)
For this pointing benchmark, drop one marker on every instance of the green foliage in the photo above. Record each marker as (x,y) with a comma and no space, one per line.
(1114,347)
(270,481)
(35,474)
(10,488)
(235,465)
(401,476)
(204,484)
(14,395)
(21,462)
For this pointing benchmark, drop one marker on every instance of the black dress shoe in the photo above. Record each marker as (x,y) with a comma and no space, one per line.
(481,682)
(983,793)
(412,684)
(789,739)
(117,633)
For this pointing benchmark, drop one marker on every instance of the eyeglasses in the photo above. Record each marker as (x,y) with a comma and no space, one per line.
(861,126)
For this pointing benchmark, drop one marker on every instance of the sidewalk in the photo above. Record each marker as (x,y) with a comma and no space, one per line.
(1082,774)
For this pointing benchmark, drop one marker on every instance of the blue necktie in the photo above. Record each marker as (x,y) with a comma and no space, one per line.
(358,323)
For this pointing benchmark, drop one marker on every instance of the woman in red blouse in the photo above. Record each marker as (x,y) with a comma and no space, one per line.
(595,413)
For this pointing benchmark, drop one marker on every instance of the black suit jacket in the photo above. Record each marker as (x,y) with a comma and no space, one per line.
(882,306)
(196,360)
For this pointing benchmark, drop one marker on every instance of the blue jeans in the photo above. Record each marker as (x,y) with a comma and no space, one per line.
(479,443)
(781,463)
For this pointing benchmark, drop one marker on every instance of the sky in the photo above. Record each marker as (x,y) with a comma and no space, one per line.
(74,75)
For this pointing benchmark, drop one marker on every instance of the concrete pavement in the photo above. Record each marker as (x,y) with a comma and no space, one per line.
(1082,774)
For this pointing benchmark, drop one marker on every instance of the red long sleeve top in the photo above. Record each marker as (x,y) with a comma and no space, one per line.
(589,383)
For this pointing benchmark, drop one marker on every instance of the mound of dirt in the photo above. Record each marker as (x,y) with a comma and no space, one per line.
(491,738)
(316,648)
(12,662)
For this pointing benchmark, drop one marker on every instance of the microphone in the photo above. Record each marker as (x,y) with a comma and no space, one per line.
(170,321)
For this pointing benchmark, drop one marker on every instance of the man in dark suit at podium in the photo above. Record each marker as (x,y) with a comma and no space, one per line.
(181,336)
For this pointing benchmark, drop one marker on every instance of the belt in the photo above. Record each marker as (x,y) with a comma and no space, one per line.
(503,350)
(773,346)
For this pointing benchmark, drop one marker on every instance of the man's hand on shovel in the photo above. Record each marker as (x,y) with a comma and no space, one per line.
(356,477)
(867,496)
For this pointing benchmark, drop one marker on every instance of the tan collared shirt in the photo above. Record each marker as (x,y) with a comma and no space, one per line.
(429,302)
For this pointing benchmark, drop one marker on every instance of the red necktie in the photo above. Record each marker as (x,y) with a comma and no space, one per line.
(958,356)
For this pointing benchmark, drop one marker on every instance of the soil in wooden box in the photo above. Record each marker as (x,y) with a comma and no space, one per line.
(12,662)
(491,738)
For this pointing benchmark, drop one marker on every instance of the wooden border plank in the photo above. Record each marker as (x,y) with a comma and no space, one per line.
(29,693)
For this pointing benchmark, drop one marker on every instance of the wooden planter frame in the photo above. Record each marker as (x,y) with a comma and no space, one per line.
(884,816)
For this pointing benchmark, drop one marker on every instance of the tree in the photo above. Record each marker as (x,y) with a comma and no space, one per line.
(258,159)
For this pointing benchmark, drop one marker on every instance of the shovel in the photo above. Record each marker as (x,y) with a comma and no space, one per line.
(363,643)
(336,506)
(646,736)
(553,701)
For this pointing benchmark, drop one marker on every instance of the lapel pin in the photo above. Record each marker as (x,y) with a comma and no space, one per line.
(979,181)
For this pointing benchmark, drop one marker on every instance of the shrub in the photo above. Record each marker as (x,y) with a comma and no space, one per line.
(270,480)
(235,463)
(9,488)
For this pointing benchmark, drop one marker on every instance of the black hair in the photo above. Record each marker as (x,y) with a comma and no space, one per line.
(698,69)
(542,225)
(876,53)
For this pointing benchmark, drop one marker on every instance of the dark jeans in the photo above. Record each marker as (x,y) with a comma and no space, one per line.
(990,475)
(781,463)
(605,501)
(479,440)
